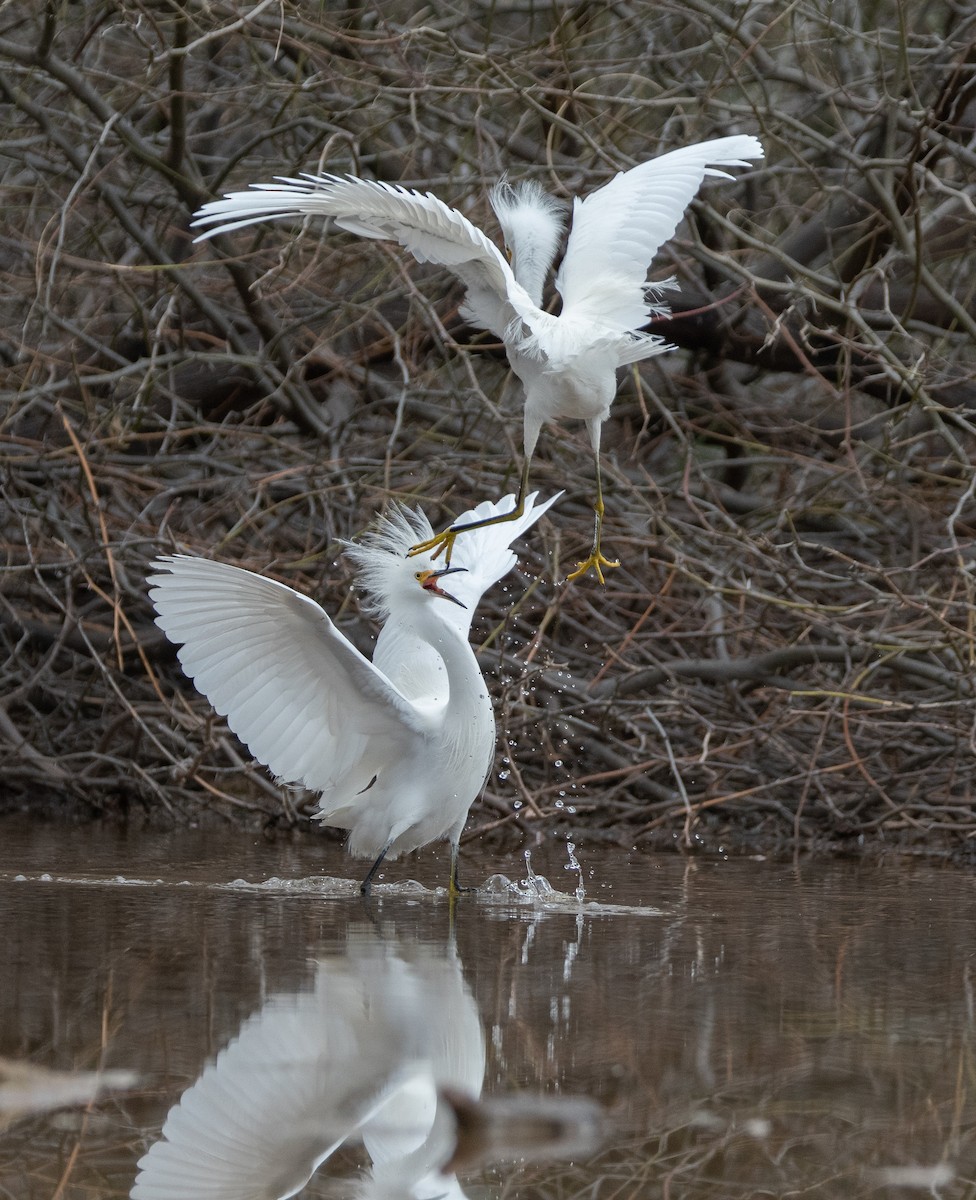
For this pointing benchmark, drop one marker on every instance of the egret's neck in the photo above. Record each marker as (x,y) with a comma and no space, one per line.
(532,223)
(463,673)
(530,266)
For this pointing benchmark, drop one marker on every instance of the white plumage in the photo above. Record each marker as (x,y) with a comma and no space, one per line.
(362,1056)
(567,363)
(399,747)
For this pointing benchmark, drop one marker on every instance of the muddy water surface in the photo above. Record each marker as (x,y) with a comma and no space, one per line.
(738,1028)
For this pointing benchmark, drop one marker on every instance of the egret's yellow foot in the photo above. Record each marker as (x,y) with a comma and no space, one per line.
(441,543)
(597,561)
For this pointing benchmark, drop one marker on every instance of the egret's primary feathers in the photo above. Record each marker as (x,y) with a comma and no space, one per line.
(399,747)
(567,362)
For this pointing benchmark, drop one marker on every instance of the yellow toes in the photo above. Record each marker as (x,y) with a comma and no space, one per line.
(442,543)
(597,560)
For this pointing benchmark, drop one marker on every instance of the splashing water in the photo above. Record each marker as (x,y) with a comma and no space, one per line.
(532,884)
(574,865)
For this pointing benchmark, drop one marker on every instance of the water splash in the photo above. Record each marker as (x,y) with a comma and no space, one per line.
(534,885)
(574,865)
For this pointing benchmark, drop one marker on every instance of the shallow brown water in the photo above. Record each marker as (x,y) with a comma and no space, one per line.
(751,1029)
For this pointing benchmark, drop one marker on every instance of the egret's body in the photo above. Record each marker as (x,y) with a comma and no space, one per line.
(567,362)
(399,747)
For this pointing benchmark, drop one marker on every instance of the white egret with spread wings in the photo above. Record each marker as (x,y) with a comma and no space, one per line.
(399,747)
(567,362)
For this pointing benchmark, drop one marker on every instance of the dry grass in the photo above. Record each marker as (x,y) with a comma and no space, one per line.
(786,654)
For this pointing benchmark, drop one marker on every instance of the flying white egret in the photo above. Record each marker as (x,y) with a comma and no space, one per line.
(399,747)
(567,363)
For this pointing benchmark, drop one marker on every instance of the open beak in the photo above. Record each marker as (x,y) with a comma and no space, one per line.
(430,582)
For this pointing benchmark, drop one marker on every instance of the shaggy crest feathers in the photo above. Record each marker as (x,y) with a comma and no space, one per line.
(385,574)
(508,199)
(380,555)
(532,223)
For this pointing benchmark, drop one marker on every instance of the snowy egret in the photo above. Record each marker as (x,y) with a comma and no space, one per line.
(567,363)
(399,747)
(362,1056)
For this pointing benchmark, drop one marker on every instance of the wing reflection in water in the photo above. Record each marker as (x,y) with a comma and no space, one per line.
(360,1056)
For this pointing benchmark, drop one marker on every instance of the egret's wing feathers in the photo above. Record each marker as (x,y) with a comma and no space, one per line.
(485,554)
(413,665)
(618,229)
(313,1070)
(421,223)
(300,696)
(305,1074)
(261,1118)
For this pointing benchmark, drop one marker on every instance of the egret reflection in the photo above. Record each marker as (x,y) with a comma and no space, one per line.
(386,1049)
(359,1057)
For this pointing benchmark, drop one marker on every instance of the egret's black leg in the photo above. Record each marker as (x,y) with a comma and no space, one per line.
(367,883)
(455,888)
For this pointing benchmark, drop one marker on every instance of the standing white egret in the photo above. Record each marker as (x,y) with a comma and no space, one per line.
(567,363)
(399,747)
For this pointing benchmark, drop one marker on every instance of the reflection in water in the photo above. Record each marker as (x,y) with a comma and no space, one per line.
(360,1056)
(26,1088)
(755,1029)
(529,1128)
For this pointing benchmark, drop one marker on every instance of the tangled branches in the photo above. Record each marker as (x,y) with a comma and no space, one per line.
(786,654)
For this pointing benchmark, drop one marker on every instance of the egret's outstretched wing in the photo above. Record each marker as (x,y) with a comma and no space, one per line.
(259,1120)
(485,557)
(618,229)
(298,694)
(485,554)
(427,227)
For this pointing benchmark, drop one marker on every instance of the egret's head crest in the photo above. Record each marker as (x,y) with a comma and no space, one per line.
(532,223)
(509,200)
(380,557)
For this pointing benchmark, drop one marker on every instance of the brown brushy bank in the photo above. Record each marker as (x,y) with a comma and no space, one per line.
(785,655)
